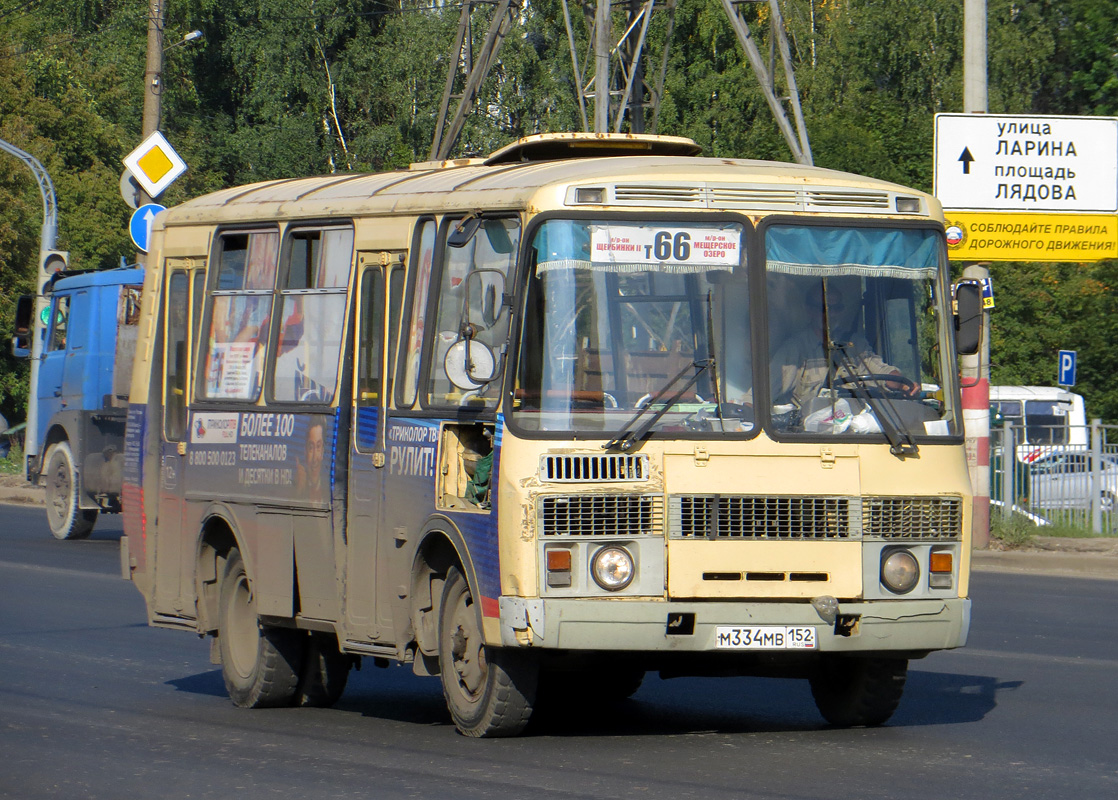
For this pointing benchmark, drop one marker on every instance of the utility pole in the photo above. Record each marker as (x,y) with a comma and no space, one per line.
(975,369)
(602,31)
(153,76)
(974,56)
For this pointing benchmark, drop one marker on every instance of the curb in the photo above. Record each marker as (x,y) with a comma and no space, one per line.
(1058,565)
(22,495)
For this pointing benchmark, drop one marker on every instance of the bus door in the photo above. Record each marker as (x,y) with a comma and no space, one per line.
(381,288)
(174,553)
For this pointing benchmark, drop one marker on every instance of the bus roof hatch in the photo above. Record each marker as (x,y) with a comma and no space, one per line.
(558,146)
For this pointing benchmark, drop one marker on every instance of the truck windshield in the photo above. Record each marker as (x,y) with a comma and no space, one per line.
(857,336)
(624,317)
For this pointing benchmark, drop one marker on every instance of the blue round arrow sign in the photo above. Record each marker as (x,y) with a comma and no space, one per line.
(140,225)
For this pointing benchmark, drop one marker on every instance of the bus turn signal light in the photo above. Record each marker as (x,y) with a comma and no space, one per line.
(941,562)
(558,567)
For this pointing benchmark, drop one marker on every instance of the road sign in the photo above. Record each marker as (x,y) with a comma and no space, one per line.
(139,227)
(130,189)
(155,164)
(993,236)
(1026,163)
(987,292)
(1066,368)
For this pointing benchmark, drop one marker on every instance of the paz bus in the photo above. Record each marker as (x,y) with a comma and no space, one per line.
(518,422)
(1046,417)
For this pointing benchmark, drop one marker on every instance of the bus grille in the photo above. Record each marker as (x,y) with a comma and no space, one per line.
(593,468)
(721,516)
(913,517)
(601,515)
(814,518)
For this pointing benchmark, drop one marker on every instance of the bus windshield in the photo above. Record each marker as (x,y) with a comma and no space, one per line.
(856,330)
(628,319)
(645,326)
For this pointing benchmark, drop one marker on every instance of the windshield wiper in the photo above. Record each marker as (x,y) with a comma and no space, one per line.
(627,438)
(901,442)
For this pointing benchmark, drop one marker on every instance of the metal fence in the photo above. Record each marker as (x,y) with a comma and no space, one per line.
(1056,474)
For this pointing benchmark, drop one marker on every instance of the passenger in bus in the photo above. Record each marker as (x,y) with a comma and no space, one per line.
(799,368)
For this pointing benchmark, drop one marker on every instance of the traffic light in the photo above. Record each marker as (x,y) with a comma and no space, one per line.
(53,261)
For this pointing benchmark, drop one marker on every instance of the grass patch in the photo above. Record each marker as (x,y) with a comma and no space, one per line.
(13,464)
(1066,531)
(1017,531)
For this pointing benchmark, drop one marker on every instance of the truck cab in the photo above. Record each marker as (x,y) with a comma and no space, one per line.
(89,336)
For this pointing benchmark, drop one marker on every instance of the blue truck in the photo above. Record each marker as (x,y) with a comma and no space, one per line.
(75,449)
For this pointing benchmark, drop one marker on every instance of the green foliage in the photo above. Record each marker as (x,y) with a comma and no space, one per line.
(285,88)
(13,464)
(1017,531)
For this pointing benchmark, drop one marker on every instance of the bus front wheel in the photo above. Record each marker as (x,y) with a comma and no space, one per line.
(260,664)
(66,520)
(489,691)
(858,691)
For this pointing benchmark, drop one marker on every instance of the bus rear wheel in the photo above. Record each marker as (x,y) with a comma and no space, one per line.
(260,664)
(858,691)
(66,520)
(325,672)
(489,691)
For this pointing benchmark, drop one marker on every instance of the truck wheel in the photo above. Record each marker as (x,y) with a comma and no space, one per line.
(260,664)
(325,672)
(489,690)
(858,691)
(66,520)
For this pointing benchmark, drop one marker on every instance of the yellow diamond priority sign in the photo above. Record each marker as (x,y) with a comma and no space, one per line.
(155,164)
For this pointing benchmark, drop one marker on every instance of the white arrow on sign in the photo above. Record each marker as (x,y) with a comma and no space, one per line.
(149,218)
(140,225)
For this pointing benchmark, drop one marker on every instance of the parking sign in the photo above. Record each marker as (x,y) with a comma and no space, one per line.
(1066,368)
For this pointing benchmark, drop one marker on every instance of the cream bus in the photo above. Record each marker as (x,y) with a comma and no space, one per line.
(543,422)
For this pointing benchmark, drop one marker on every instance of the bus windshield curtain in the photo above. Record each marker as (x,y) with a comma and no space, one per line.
(869,252)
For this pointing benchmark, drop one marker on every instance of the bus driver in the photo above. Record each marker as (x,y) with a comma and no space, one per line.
(799,367)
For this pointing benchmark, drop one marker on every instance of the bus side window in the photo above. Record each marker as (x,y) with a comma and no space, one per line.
(312,315)
(395,304)
(423,256)
(370,381)
(473,302)
(175,359)
(240,315)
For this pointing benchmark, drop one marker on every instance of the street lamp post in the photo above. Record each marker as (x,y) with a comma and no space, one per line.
(48,258)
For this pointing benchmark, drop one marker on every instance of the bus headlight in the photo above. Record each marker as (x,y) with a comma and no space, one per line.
(613,568)
(899,571)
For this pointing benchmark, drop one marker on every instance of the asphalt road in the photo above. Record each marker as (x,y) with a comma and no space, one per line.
(94,704)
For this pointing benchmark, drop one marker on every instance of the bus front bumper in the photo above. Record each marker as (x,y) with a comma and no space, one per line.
(883,626)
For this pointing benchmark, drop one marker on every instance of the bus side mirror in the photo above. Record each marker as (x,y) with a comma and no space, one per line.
(485,295)
(968,317)
(21,342)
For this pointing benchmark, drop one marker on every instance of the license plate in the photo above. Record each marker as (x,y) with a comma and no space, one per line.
(765,637)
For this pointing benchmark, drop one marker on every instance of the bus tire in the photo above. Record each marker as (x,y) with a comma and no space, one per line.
(260,664)
(325,672)
(66,520)
(489,691)
(858,691)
